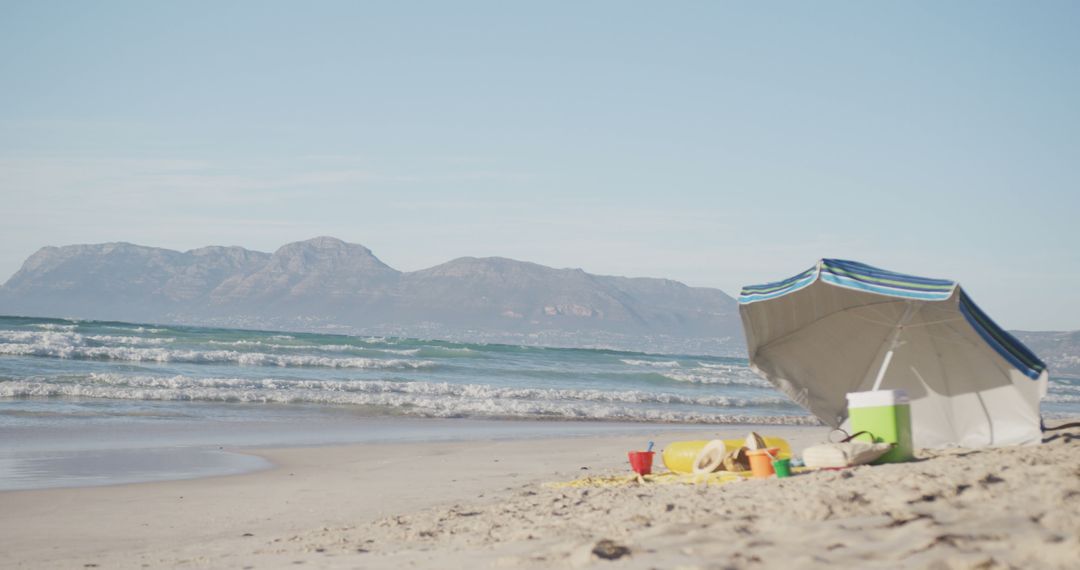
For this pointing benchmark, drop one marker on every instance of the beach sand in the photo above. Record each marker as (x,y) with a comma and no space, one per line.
(484,504)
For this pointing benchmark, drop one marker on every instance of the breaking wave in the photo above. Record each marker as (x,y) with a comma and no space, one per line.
(432,399)
(698,372)
(319,347)
(1063,391)
(134,328)
(377,375)
(75,339)
(55,327)
(729,377)
(133,354)
(652,363)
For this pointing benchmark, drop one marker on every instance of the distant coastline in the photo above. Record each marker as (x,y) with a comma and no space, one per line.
(327,285)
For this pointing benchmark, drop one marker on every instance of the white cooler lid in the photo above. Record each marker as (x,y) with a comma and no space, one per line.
(877,398)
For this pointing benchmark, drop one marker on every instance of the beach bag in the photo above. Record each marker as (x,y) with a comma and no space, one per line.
(846,454)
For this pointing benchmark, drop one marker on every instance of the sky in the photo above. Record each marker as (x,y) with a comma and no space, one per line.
(719,144)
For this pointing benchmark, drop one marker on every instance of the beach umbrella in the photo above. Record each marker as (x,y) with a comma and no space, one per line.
(843,326)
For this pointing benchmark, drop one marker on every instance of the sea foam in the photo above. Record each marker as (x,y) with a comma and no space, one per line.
(430,399)
(133,354)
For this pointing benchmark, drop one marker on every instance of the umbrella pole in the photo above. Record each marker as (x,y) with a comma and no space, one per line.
(885,363)
(894,342)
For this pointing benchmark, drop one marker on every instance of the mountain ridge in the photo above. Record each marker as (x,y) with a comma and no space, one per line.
(326,284)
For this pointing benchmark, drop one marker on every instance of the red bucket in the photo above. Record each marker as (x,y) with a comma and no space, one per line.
(641,461)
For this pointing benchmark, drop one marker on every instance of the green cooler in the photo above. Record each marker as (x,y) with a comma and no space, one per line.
(887,415)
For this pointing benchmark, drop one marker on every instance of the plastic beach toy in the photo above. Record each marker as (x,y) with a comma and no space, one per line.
(679,456)
(782,467)
(761,462)
(641,461)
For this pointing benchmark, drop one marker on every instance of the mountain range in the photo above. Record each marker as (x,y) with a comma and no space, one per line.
(325,284)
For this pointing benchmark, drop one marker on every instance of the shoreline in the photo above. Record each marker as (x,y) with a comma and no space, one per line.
(312,487)
(84,455)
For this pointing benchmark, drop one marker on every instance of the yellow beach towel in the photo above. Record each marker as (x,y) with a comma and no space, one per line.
(719,478)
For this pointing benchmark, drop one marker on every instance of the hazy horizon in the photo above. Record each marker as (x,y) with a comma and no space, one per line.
(718,145)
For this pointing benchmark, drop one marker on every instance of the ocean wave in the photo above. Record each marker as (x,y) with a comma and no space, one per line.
(133,354)
(138,329)
(55,327)
(426,351)
(704,373)
(446,352)
(476,391)
(349,348)
(400,351)
(733,376)
(652,363)
(317,347)
(67,338)
(1062,392)
(243,343)
(129,340)
(412,398)
(1071,398)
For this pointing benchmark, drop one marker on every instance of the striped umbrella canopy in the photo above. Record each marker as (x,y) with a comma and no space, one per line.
(843,326)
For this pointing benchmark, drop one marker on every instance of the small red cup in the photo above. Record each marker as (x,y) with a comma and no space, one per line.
(641,461)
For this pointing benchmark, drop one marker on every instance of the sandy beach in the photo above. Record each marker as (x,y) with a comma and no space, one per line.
(488,504)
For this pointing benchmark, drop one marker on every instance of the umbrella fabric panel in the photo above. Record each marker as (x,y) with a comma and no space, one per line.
(773,322)
(765,291)
(962,392)
(855,275)
(1004,343)
(819,343)
(859,276)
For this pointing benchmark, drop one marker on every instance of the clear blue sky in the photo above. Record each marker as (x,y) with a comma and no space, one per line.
(715,143)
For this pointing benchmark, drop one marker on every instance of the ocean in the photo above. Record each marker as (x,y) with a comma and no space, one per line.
(78,393)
